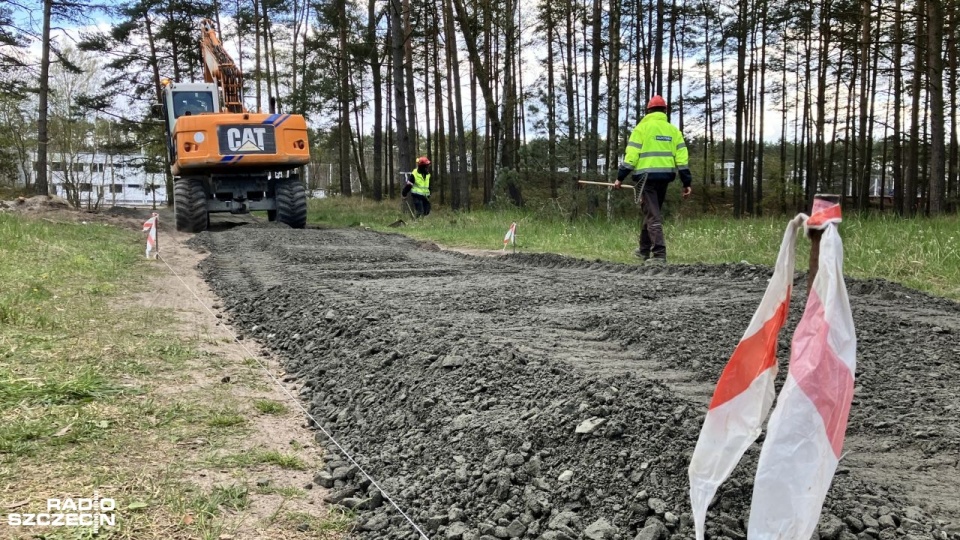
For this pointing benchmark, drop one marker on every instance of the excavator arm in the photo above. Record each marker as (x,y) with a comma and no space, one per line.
(219,68)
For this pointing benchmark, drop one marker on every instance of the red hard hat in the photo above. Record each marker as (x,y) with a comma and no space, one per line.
(656,101)
(423,161)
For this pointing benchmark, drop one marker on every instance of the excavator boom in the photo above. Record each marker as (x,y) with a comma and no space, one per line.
(218,67)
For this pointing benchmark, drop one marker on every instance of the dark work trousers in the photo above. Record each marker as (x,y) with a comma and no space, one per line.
(651,234)
(421,205)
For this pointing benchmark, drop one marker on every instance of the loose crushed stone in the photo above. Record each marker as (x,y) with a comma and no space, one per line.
(540,396)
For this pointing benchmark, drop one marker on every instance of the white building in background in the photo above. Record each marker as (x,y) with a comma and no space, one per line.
(601,165)
(103,180)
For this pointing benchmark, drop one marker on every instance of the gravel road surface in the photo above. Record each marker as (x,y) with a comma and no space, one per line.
(529,395)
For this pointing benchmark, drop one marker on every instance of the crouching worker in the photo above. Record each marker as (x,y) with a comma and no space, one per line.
(420,188)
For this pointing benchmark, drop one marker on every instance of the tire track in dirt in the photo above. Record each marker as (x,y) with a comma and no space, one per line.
(461,379)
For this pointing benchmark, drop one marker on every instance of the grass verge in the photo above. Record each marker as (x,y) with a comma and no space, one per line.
(920,253)
(100,395)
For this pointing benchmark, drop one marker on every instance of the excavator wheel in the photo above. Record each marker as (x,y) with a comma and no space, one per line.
(291,202)
(190,206)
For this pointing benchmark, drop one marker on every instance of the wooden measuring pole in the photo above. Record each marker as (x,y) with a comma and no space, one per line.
(815,235)
(607,184)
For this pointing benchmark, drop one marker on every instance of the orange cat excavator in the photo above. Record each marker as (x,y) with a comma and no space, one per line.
(225,158)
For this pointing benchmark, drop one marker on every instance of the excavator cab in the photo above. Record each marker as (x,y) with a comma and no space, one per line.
(189,99)
(185,103)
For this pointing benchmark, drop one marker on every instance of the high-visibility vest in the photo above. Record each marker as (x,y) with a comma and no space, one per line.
(656,147)
(421,183)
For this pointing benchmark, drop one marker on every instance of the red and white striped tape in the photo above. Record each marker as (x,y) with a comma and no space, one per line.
(824,213)
(511,237)
(150,227)
(806,429)
(745,392)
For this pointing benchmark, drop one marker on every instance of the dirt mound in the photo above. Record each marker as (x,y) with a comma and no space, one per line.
(528,396)
(35,203)
(124,211)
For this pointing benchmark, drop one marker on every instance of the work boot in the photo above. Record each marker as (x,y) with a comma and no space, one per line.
(642,255)
(656,261)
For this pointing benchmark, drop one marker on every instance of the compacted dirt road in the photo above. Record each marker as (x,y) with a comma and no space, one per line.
(529,396)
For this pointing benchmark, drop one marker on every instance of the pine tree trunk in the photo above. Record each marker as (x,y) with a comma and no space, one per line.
(783,132)
(898,180)
(155,67)
(708,162)
(474,135)
(411,93)
(911,180)
(569,83)
(256,52)
(42,186)
(862,183)
(345,134)
(813,182)
(461,192)
(763,95)
(390,165)
(551,100)
(613,90)
(953,185)
(658,50)
(594,134)
(848,145)
(435,171)
(820,150)
(746,188)
(740,108)
(268,79)
(508,154)
(831,160)
(357,143)
(402,133)
(873,103)
(484,81)
(935,89)
(445,167)
(377,99)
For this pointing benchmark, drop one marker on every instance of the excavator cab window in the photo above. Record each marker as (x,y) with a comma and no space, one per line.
(190,103)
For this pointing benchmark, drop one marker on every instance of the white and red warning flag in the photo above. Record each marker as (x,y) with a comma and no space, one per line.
(150,227)
(824,213)
(511,237)
(806,429)
(744,393)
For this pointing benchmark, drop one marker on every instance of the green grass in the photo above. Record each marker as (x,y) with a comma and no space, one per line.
(225,419)
(221,497)
(59,370)
(204,511)
(267,457)
(94,395)
(284,491)
(37,258)
(920,253)
(268,406)
(337,521)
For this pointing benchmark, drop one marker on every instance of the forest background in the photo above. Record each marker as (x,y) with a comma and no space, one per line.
(514,101)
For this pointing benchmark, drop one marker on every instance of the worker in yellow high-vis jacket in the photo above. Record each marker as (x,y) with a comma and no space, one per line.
(655,153)
(419,187)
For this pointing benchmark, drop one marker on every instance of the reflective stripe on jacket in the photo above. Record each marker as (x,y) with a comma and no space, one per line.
(421,183)
(656,147)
